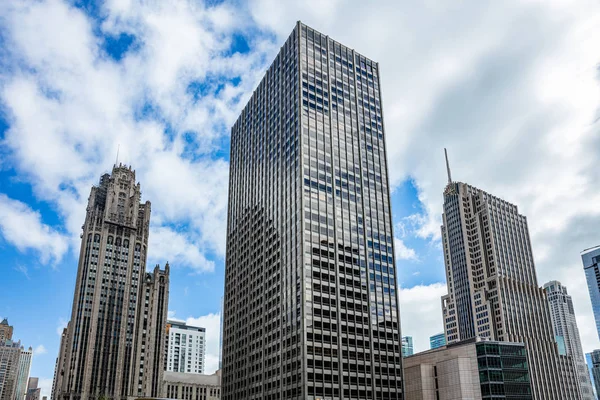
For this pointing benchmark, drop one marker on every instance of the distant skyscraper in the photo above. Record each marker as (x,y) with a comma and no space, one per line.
(6,330)
(590,365)
(438,340)
(407,346)
(114,344)
(23,373)
(492,286)
(186,348)
(565,325)
(591,265)
(311,299)
(33,391)
(595,365)
(10,353)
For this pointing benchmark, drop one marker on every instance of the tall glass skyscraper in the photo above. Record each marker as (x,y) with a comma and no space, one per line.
(311,298)
(492,286)
(591,260)
(437,340)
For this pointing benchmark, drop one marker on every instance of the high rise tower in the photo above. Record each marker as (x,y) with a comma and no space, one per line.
(591,265)
(492,286)
(23,373)
(110,347)
(311,299)
(565,325)
(10,353)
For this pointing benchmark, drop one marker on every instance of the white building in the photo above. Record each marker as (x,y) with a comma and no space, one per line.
(565,326)
(186,347)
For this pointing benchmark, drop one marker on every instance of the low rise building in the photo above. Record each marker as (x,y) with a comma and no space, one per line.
(184,386)
(469,370)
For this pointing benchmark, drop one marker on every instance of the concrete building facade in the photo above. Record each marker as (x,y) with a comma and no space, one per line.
(469,370)
(595,367)
(184,386)
(311,298)
(6,330)
(492,286)
(114,343)
(565,326)
(186,348)
(24,368)
(10,353)
(33,391)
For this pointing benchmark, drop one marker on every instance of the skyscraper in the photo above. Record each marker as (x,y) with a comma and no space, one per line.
(595,366)
(23,373)
(6,330)
(311,299)
(565,325)
(437,340)
(591,260)
(407,346)
(9,368)
(114,344)
(492,286)
(186,348)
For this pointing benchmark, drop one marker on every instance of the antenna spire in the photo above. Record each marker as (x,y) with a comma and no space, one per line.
(448,166)
(118,148)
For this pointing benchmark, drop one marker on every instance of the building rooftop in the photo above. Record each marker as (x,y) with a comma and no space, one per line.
(193,379)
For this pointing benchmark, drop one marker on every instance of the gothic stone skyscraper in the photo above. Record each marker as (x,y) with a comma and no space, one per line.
(565,325)
(492,286)
(114,344)
(311,298)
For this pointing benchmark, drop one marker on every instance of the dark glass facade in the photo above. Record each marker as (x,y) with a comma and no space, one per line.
(503,371)
(311,301)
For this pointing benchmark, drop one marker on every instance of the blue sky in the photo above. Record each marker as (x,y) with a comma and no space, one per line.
(511,89)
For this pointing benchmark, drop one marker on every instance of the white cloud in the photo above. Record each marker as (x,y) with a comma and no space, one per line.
(39,350)
(421,313)
(45,384)
(23,227)
(177,249)
(403,252)
(62,324)
(212,324)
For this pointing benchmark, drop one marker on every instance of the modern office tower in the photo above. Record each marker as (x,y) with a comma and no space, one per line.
(565,326)
(6,330)
(23,373)
(590,366)
(492,286)
(186,348)
(407,346)
(311,299)
(10,353)
(595,364)
(591,260)
(469,370)
(113,345)
(436,341)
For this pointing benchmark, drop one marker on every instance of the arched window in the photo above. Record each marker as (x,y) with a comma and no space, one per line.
(138,247)
(126,243)
(109,240)
(118,241)
(96,238)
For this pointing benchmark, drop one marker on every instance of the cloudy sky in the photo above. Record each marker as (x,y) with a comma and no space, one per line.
(511,88)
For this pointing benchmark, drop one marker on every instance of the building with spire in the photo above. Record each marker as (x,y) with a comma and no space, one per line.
(6,330)
(113,345)
(565,326)
(493,291)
